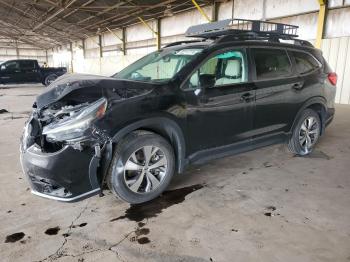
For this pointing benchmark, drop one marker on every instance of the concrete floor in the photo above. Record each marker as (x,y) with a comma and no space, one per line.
(264,205)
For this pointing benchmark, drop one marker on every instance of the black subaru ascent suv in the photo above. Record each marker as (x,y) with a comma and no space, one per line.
(237,86)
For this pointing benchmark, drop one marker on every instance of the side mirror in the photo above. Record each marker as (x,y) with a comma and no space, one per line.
(3,67)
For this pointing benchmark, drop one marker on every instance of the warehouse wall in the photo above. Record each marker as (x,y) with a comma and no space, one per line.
(12,50)
(337,52)
(89,58)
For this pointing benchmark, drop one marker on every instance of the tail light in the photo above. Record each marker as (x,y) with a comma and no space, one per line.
(332,77)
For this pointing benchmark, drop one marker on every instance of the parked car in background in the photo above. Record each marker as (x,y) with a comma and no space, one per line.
(186,103)
(28,71)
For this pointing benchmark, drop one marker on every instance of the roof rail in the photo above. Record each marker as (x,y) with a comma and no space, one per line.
(241,26)
(182,42)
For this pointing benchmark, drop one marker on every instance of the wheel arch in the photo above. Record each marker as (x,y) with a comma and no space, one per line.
(165,127)
(319,105)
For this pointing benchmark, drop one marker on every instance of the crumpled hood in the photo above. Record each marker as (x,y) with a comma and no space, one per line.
(91,85)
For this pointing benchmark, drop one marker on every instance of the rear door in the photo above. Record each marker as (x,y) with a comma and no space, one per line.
(220,101)
(277,94)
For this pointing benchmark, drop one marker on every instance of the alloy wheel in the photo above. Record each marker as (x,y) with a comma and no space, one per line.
(308,133)
(145,169)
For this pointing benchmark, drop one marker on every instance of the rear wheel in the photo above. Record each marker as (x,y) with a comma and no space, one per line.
(306,133)
(49,79)
(142,167)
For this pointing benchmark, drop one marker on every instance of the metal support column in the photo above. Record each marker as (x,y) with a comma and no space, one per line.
(83,46)
(17,51)
(264,11)
(100,45)
(321,22)
(215,11)
(155,32)
(158,35)
(120,38)
(71,56)
(124,40)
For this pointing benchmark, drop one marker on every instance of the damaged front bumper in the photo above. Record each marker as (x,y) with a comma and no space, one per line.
(68,174)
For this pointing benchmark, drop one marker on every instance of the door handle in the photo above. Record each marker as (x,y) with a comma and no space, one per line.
(247,97)
(298,86)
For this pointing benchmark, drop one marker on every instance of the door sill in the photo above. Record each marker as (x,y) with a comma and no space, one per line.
(206,155)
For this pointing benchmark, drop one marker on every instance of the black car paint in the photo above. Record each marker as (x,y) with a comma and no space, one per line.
(35,74)
(214,123)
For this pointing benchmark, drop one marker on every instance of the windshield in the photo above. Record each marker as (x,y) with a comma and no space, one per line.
(159,66)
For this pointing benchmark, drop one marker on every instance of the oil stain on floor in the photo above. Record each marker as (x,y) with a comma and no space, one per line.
(140,234)
(14,237)
(143,240)
(80,225)
(153,208)
(52,231)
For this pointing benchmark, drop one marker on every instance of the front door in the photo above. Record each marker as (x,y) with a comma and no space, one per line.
(220,101)
(10,72)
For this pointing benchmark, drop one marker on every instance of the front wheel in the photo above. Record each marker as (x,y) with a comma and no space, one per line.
(142,167)
(49,79)
(306,133)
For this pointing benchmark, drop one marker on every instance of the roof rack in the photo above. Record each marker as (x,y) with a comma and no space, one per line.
(242,27)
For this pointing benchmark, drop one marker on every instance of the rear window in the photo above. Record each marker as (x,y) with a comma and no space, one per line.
(305,63)
(271,63)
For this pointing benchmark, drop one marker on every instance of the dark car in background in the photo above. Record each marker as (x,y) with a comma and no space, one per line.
(232,91)
(28,71)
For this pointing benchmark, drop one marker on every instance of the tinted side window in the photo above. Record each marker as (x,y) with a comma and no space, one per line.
(271,63)
(305,63)
(12,65)
(26,64)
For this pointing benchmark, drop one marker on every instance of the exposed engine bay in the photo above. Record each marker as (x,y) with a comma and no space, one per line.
(59,111)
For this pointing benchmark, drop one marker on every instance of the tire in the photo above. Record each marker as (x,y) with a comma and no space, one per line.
(302,142)
(124,177)
(49,79)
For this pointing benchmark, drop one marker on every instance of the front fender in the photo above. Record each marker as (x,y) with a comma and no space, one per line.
(163,126)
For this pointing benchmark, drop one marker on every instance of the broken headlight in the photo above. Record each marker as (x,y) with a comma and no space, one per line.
(74,126)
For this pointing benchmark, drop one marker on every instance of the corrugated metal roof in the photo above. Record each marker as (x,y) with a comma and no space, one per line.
(48,23)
